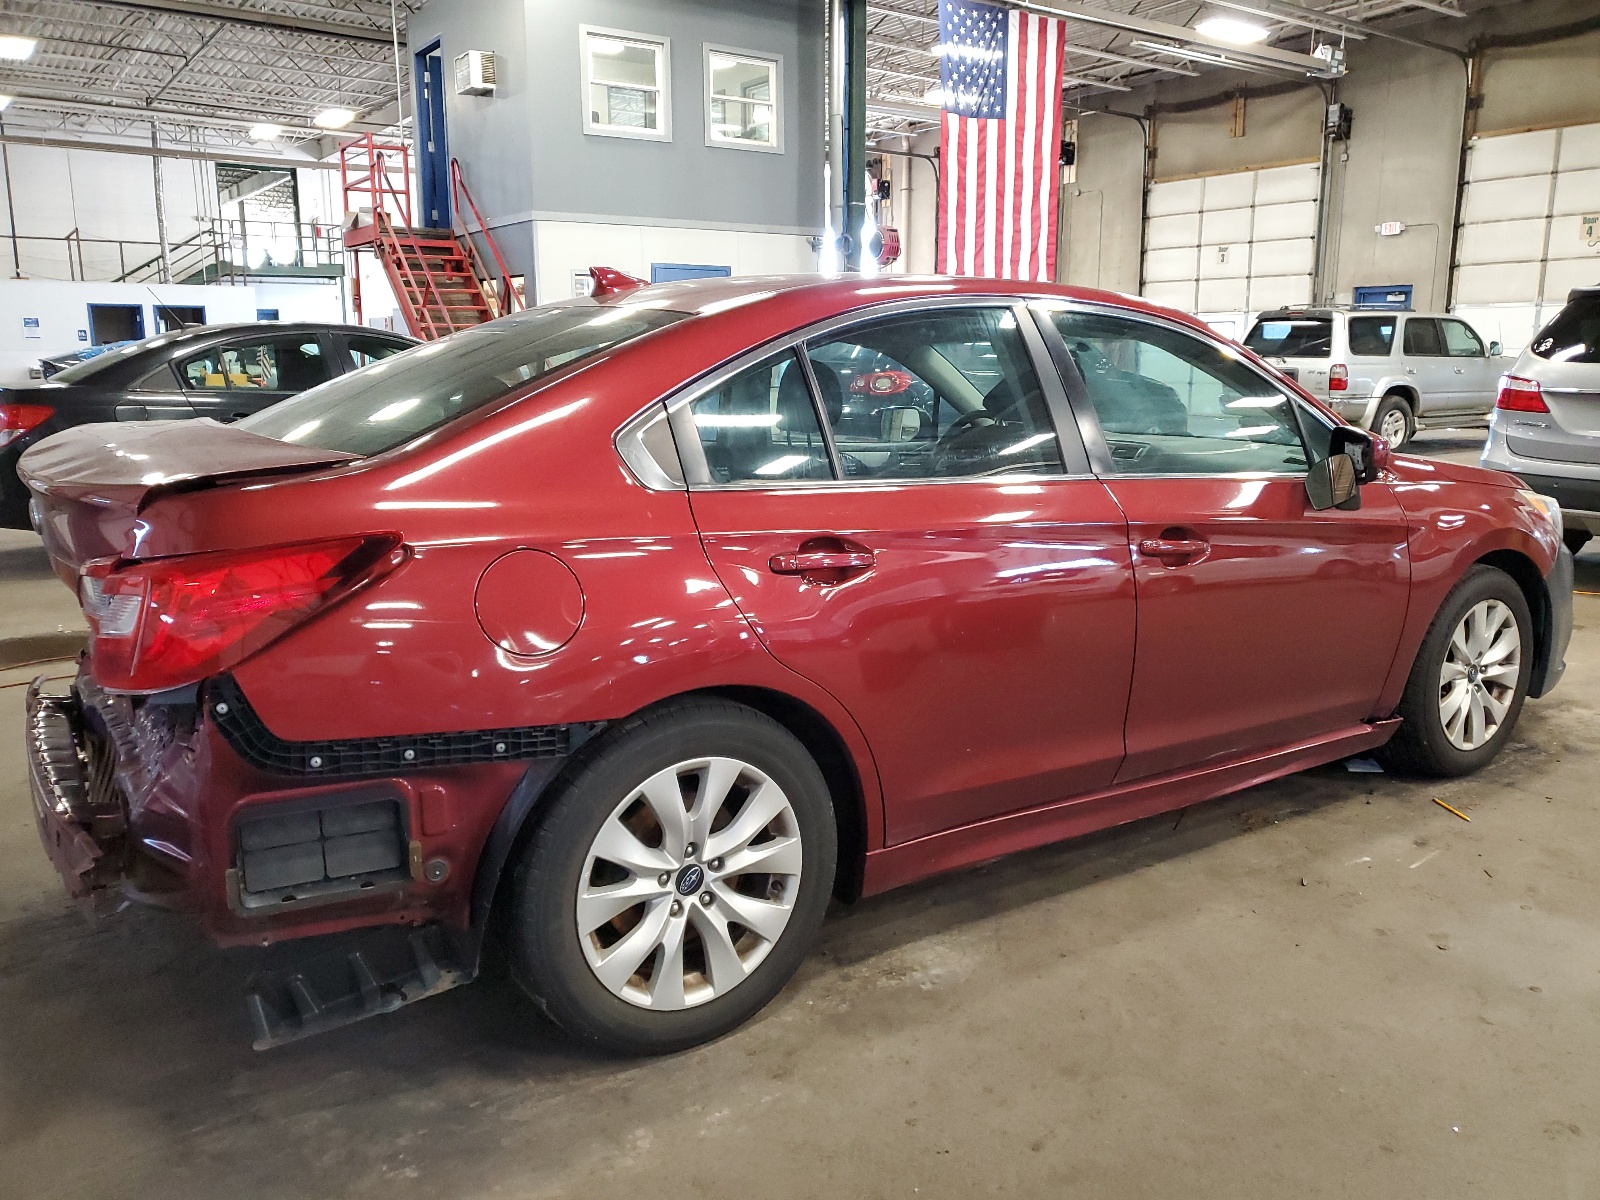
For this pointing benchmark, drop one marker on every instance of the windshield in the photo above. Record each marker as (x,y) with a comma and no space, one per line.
(1291,337)
(392,401)
(1574,336)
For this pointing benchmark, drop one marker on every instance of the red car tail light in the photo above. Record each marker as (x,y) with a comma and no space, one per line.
(1520,395)
(19,419)
(1338,378)
(166,622)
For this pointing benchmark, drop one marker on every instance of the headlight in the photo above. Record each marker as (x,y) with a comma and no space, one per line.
(1549,507)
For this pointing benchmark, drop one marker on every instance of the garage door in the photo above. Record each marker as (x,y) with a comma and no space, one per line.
(1530,228)
(1232,244)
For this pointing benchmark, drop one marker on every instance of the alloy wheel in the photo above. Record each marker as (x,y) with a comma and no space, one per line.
(1479,678)
(1393,427)
(689,883)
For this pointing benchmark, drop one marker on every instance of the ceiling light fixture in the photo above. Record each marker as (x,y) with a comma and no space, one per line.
(17,48)
(333,118)
(1232,30)
(5,102)
(934,95)
(265,133)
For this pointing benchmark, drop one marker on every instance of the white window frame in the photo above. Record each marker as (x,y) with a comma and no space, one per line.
(775,61)
(663,49)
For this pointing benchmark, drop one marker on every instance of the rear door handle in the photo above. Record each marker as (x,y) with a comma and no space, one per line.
(1174,552)
(806,562)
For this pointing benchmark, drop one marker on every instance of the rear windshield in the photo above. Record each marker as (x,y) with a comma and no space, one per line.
(1291,337)
(1574,336)
(382,405)
(98,362)
(1372,336)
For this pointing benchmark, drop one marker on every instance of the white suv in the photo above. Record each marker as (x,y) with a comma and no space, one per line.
(1437,371)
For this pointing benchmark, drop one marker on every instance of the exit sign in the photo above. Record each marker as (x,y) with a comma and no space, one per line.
(1391,229)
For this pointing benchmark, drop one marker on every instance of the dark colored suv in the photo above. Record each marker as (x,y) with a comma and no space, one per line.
(219,371)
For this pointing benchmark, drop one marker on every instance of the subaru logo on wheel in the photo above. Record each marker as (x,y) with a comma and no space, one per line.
(690,879)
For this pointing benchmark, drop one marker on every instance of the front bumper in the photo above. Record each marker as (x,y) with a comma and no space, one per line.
(1552,665)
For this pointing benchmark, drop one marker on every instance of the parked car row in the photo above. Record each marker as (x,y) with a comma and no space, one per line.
(639,625)
(220,371)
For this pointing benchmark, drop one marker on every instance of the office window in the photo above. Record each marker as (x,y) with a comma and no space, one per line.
(743,91)
(626,84)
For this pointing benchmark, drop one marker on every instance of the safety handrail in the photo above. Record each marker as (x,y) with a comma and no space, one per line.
(386,231)
(511,301)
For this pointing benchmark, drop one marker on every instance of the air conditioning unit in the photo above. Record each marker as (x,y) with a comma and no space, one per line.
(475,73)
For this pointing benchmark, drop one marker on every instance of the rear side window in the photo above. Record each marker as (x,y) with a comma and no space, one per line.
(761,426)
(366,350)
(1422,338)
(1371,337)
(391,402)
(948,393)
(1574,336)
(1291,337)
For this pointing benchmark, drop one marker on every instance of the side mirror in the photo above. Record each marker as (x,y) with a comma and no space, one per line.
(1334,483)
(1496,349)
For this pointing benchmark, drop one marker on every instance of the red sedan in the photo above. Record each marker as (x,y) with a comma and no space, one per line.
(596,620)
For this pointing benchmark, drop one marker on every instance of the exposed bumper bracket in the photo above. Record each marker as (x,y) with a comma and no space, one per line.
(393,968)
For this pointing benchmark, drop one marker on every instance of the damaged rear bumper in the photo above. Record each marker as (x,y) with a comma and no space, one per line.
(81,815)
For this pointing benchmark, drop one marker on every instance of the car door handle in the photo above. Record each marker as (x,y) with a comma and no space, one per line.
(807,562)
(1461,370)
(1173,551)
(1411,370)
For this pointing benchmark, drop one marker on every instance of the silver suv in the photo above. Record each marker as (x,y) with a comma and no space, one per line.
(1438,371)
(1546,426)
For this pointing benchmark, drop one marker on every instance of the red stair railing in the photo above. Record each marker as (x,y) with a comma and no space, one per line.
(510,299)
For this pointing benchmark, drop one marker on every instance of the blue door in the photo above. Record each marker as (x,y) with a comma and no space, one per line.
(433,152)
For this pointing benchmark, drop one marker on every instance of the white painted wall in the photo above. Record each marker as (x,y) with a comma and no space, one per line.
(63,310)
(107,198)
(564,247)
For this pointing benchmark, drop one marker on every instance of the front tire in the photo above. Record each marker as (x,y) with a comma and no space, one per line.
(1393,421)
(676,880)
(1469,680)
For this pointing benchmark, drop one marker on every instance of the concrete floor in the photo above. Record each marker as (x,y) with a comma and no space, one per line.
(1328,986)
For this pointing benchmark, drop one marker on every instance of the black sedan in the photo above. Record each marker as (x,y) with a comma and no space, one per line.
(219,371)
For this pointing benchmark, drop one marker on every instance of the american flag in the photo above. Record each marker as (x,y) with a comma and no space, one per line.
(1000,72)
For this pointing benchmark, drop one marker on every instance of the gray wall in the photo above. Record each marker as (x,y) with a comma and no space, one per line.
(1402,162)
(489,134)
(526,156)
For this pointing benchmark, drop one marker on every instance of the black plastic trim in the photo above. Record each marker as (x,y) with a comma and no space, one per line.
(353,757)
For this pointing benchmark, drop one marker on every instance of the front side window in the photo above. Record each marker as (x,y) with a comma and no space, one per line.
(1422,337)
(391,402)
(744,91)
(1171,404)
(1371,337)
(935,395)
(365,350)
(761,425)
(626,89)
(1460,341)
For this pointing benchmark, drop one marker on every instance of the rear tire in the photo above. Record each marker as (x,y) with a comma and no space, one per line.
(1394,421)
(709,767)
(1469,680)
(1577,539)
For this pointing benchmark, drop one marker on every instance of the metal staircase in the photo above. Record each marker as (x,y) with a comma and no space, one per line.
(440,279)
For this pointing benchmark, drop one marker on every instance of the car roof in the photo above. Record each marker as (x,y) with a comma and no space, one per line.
(814,298)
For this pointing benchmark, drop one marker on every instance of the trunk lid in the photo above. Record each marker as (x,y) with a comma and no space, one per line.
(90,483)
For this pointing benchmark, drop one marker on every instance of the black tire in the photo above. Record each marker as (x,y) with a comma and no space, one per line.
(1421,746)
(545,956)
(1394,402)
(1577,539)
